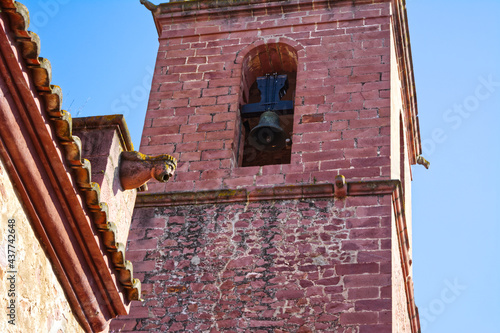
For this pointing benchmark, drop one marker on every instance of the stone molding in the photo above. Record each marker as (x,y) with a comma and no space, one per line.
(200,7)
(178,12)
(290,192)
(406,76)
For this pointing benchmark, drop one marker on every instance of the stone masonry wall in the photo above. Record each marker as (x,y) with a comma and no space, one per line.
(41,304)
(311,265)
(342,104)
(319,265)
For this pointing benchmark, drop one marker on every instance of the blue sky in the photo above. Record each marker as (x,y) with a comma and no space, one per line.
(103,53)
(456,54)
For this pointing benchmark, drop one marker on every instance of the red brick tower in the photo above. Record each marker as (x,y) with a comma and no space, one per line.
(294,123)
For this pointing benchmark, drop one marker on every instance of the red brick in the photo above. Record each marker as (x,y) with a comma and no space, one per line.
(187,176)
(214,174)
(216,91)
(313,118)
(208,127)
(270,180)
(202,101)
(215,154)
(205,165)
(220,135)
(126,325)
(373,141)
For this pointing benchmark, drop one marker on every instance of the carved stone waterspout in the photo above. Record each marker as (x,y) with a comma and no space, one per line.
(152,7)
(136,169)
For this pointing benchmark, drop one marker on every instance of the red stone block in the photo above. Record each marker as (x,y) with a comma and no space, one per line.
(202,101)
(322,156)
(190,156)
(191,77)
(363,293)
(204,165)
(211,184)
(175,187)
(187,176)
(226,82)
(289,294)
(328,282)
(361,133)
(368,233)
(373,141)
(373,305)
(193,137)
(383,328)
(214,174)
(371,256)
(358,318)
(208,127)
(269,180)
(376,211)
(123,325)
(348,269)
(368,280)
(313,118)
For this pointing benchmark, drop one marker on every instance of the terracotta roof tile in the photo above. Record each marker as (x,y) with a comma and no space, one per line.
(51,95)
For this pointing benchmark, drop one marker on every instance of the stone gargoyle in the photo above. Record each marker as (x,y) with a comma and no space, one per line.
(137,169)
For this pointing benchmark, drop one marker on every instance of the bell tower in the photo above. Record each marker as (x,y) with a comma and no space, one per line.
(294,124)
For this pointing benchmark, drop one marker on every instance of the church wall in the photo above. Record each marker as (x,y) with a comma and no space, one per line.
(40,303)
(252,265)
(312,265)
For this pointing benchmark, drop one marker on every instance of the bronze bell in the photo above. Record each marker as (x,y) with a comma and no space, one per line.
(268,135)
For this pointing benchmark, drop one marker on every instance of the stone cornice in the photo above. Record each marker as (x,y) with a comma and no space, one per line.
(290,192)
(111,121)
(406,261)
(178,11)
(200,7)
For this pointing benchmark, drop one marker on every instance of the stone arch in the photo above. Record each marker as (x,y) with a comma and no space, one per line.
(264,57)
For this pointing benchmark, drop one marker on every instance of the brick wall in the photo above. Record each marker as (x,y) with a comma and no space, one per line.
(294,265)
(342,108)
(289,266)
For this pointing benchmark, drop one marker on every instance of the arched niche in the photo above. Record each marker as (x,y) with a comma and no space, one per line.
(275,59)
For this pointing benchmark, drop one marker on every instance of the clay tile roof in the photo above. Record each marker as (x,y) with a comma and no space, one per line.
(51,95)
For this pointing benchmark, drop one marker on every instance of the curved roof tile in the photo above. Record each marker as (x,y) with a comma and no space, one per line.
(51,95)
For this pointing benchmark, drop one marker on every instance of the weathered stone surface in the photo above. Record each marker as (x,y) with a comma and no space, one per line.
(293,264)
(258,266)
(41,302)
